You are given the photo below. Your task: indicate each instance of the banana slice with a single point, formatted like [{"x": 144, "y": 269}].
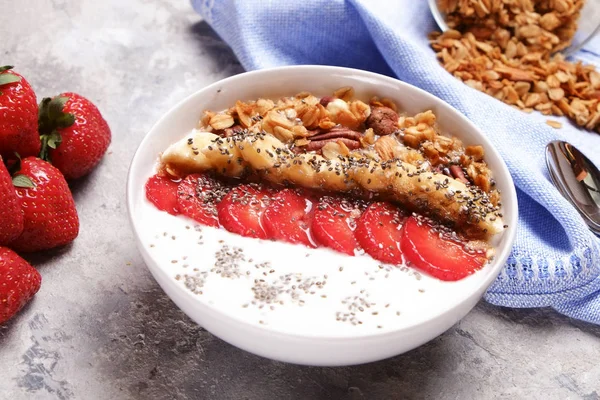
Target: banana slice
[{"x": 203, "y": 151}]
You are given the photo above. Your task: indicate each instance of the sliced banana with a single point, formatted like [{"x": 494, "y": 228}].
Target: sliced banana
[{"x": 203, "y": 151}]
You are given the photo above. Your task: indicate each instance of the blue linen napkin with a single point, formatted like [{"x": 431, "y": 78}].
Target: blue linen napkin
[{"x": 556, "y": 260}]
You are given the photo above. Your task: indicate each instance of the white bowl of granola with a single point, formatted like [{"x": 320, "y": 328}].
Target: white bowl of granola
[{"x": 321, "y": 226}]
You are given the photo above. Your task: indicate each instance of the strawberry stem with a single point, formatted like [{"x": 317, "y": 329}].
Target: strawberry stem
[
  {"x": 19, "y": 180},
  {"x": 5, "y": 79},
  {"x": 51, "y": 118}
]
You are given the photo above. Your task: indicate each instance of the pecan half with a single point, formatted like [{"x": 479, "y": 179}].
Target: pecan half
[
  {"x": 338, "y": 132},
  {"x": 318, "y": 144}
]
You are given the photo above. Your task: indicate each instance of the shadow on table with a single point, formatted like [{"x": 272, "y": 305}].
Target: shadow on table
[
  {"x": 215, "y": 48},
  {"x": 543, "y": 319}
]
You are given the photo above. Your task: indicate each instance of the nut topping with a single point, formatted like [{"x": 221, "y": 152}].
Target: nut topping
[
  {"x": 338, "y": 133},
  {"x": 383, "y": 120},
  {"x": 318, "y": 144}
]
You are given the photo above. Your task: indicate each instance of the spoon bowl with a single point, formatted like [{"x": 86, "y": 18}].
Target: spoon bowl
[{"x": 577, "y": 179}]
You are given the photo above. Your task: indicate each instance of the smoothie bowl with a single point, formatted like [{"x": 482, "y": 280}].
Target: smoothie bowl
[{"x": 321, "y": 215}]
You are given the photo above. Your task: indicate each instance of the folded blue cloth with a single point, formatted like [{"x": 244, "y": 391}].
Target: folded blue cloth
[{"x": 556, "y": 260}]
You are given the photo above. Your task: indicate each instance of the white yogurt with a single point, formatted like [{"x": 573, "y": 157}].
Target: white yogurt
[{"x": 382, "y": 297}]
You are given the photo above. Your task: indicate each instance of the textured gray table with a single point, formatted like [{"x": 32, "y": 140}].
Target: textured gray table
[{"x": 101, "y": 328}]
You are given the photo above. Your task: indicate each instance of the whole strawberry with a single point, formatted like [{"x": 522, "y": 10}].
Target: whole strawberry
[
  {"x": 74, "y": 135},
  {"x": 19, "y": 281},
  {"x": 11, "y": 216},
  {"x": 50, "y": 217},
  {"x": 18, "y": 116}
]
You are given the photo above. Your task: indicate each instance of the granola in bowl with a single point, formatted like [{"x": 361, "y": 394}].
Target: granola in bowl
[{"x": 336, "y": 171}]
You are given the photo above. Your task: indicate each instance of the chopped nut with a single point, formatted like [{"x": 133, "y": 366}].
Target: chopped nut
[
  {"x": 368, "y": 138},
  {"x": 346, "y": 93},
  {"x": 476, "y": 152},
  {"x": 383, "y": 121},
  {"x": 301, "y": 142},
  {"x": 386, "y": 147},
  {"x": 339, "y": 112},
  {"x": 221, "y": 121}
]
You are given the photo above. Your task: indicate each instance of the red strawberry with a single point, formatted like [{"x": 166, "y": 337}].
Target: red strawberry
[
  {"x": 18, "y": 116},
  {"x": 74, "y": 134},
  {"x": 50, "y": 217},
  {"x": 241, "y": 210},
  {"x": 289, "y": 217},
  {"x": 198, "y": 196},
  {"x": 162, "y": 192},
  {"x": 441, "y": 257},
  {"x": 11, "y": 216},
  {"x": 19, "y": 281},
  {"x": 378, "y": 232},
  {"x": 334, "y": 223}
]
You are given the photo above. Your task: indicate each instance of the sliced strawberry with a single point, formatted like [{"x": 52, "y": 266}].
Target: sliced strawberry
[
  {"x": 289, "y": 216},
  {"x": 162, "y": 192},
  {"x": 198, "y": 196},
  {"x": 379, "y": 230},
  {"x": 241, "y": 210},
  {"x": 334, "y": 223},
  {"x": 436, "y": 254}
]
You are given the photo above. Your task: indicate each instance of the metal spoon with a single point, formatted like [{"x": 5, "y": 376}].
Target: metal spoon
[
  {"x": 588, "y": 24},
  {"x": 577, "y": 179}
]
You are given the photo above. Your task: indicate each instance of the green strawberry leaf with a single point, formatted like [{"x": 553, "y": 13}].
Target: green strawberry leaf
[
  {"x": 55, "y": 107},
  {"x": 43, "y": 119},
  {"x": 51, "y": 115},
  {"x": 54, "y": 139},
  {"x": 65, "y": 120},
  {"x": 5, "y": 79},
  {"x": 6, "y": 68},
  {"x": 22, "y": 181},
  {"x": 52, "y": 118},
  {"x": 44, "y": 148}
]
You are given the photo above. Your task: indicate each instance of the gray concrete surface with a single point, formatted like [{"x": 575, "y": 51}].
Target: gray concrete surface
[{"x": 101, "y": 328}]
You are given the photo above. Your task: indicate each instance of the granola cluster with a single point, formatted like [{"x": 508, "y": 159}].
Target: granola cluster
[
  {"x": 507, "y": 49},
  {"x": 341, "y": 125}
]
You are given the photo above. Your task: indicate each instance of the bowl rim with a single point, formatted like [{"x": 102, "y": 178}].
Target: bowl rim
[{"x": 509, "y": 197}]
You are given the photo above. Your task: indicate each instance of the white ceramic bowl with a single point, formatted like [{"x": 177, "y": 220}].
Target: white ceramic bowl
[{"x": 409, "y": 311}]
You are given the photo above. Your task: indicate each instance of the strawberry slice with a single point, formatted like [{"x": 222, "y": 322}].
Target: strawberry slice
[
  {"x": 379, "y": 230},
  {"x": 162, "y": 192},
  {"x": 198, "y": 196},
  {"x": 289, "y": 216},
  {"x": 441, "y": 257},
  {"x": 334, "y": 223},
  {"x": 241, "y": 210}
]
